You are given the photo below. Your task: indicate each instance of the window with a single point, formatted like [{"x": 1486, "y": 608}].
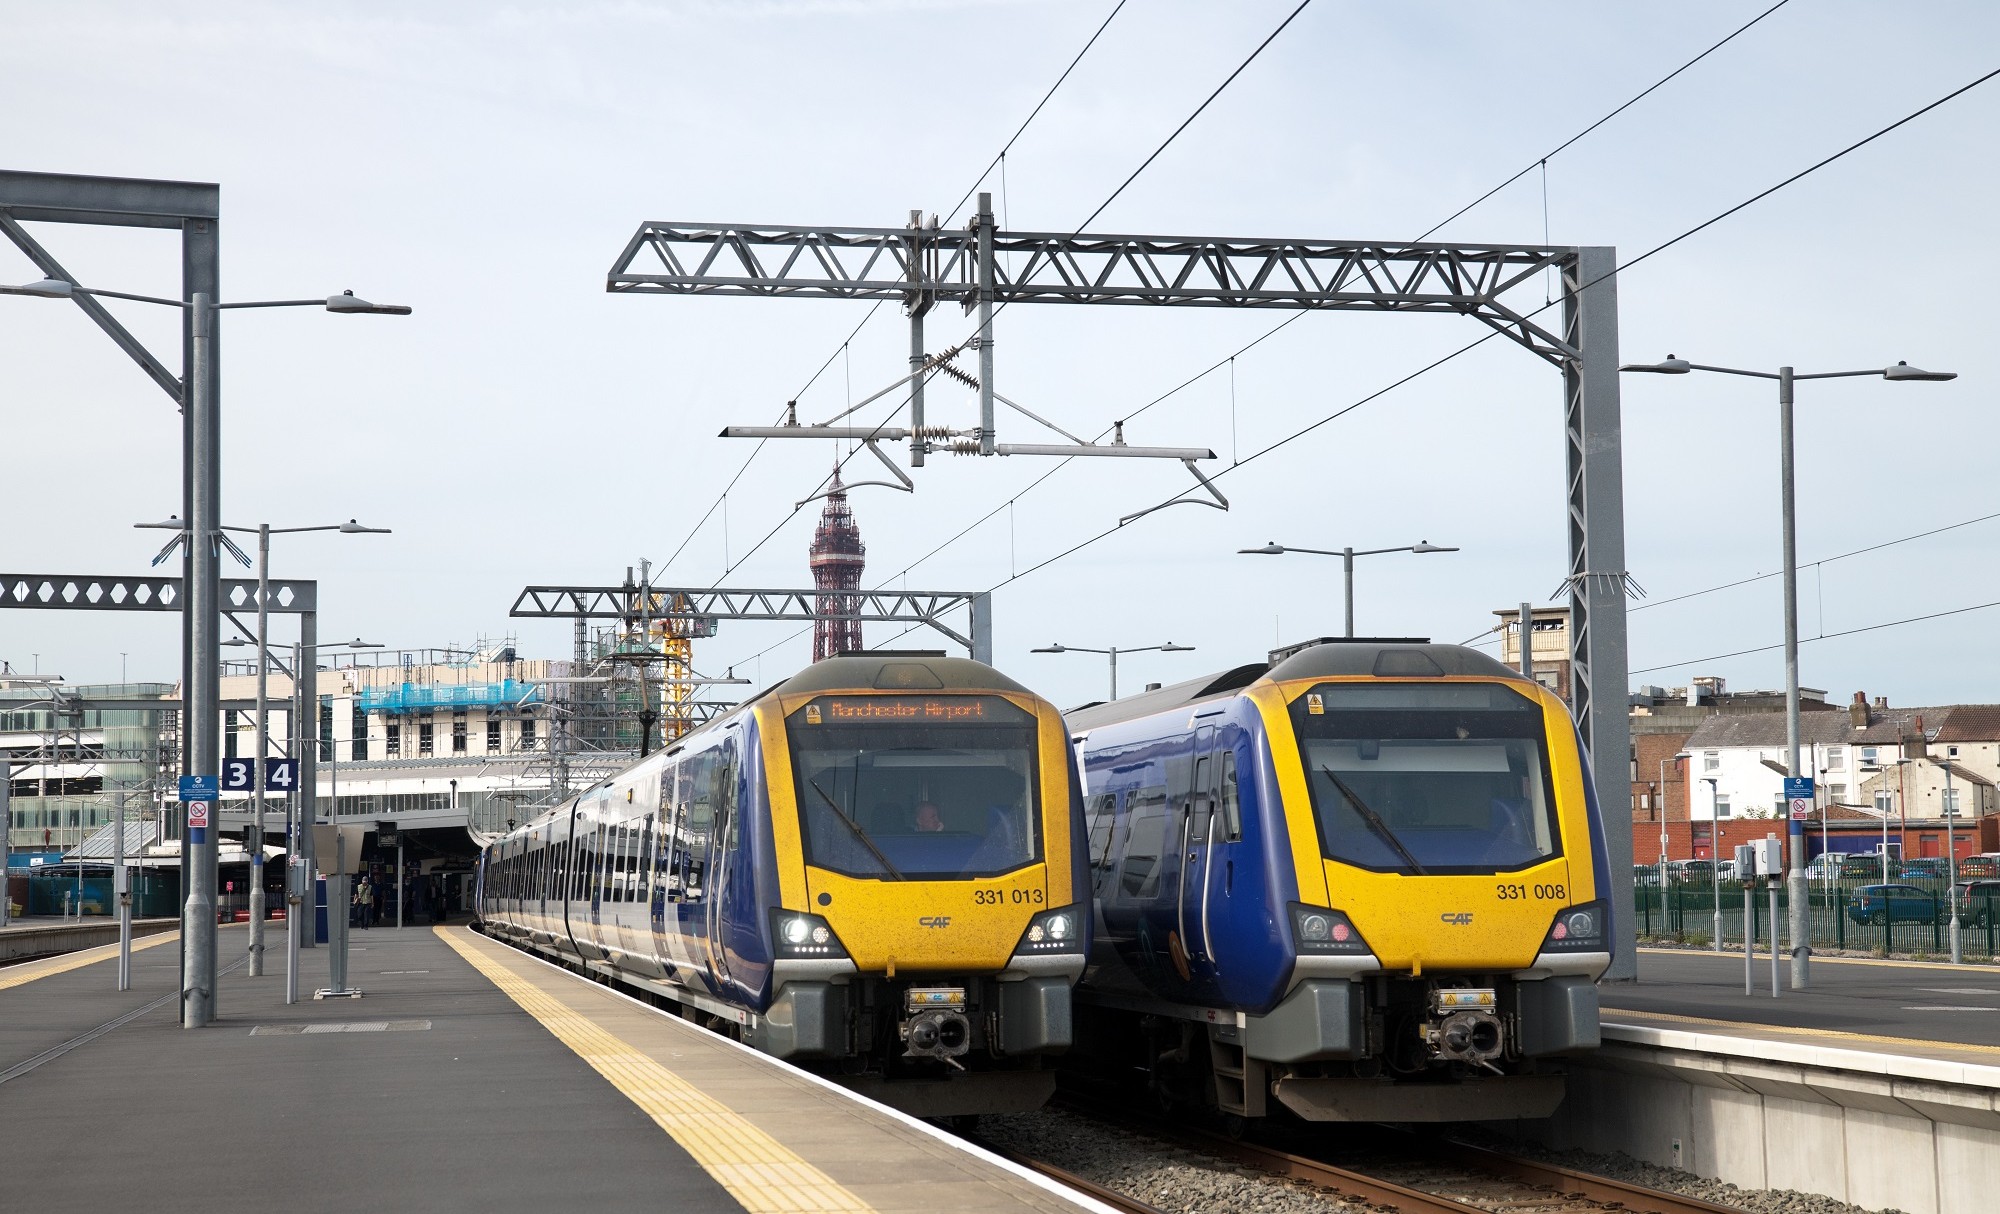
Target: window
[
  {"x": 1836, "y": 791},
  {"x": 1836, "y": 758},
  {"x": 1722, "y": 805},
  {"x": 326, "y": 729},
  {"x": 528, "y": 733},
  {"x": 1100, "y": 814},
  {"x": 357, "y": 729},
  {"x": 493, "y": 735},
  {"x": 458, "y": 733},
  {"x": 1868, "y": 754},
  {"x": 1426, "y": 777},
  {"x": 392, "y": 742},
  {"x": 1232, "y": 811},
  {"x": 1884, "y": 803},
  {"x": 1951, "y": 752},
  {"x": 1951, "y": 801},
  {"x": 426, "y": 738},
  {"x": 1145, "y": 841},
  {"x": 229, "y": 733},
  {"x": 1711, "y": 760}
]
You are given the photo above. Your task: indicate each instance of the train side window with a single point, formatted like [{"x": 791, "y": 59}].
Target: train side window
[
  {"x": 1145, "y": 839},
  {"x": 1100, "y": 814},
  {"x": 698, "y": 814},
  {"x": 1232, "y": 809},
  {"x": 1201, "y": 800}
]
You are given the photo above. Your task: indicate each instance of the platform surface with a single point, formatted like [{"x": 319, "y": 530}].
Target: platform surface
[
  {"x": 1919, "y": 1009},
  {"x": 469, "y": 1076}
]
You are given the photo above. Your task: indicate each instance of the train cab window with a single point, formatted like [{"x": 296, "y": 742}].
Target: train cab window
[
  {"x": 1232, "y": 809},
  {"x": 1428, "y": 777},
  {"x": 1145, "y": 842},
  {"x": 917, "y": 787}
]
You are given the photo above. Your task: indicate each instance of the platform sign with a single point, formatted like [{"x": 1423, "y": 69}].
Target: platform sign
[
  {"x": 1799, "y": 795},
  {"x": 281, "y": 775},
  {"x": 237, "y": 775}
]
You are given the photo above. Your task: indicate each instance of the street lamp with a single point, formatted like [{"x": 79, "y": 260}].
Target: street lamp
[
  {"x": 1951, "y": 857},
  {"x": 201, "y": 608},
  {"x": 1114, "y": 651},
  {"x": 264, "y": 532},
  {"x": 1714, "y": 856},
  {"x": 1346, "y": 556},
  {"x": 1662, "y": 798},
  {"x": 1877, "y": 769},
  {"x": 1801, "y": 922}
]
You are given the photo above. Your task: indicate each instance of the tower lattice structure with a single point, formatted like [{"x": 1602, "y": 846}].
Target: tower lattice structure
[{"x": 837, "y": 559}]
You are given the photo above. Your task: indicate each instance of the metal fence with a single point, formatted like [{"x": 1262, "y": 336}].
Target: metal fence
[{"x": 1692, "y": 913}]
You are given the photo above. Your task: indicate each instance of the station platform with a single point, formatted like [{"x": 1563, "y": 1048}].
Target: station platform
[
  {"x": 1913, "y": 1008},
  {"x": 468, "y": 1076}
]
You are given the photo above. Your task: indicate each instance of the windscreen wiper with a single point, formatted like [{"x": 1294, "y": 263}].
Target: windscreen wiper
[
  {"x": 1374, "y": 821},
  {"x": 856, "y": 830}
]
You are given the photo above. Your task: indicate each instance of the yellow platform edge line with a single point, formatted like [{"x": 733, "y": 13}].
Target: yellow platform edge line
[
  {"x": 1828, "y": 1034},
  {"x": 727, "y": 1145},
  {"x": 29, "y": 971}
]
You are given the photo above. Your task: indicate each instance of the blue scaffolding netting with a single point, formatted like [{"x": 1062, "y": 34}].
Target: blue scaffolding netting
[{"x": 427, "y": 697}]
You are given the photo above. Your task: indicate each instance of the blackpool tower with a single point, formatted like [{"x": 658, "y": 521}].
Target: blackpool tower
[{"x": 837, "y": 558}]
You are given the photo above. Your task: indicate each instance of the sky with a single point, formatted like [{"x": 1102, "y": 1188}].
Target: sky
[{"x": 486, "y": 163}]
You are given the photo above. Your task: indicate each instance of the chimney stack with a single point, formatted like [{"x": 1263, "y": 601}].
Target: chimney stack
[{"x": 1857, "y": 712}]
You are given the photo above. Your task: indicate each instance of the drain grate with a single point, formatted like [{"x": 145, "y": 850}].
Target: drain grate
[{"x": 349, "y": 1026}]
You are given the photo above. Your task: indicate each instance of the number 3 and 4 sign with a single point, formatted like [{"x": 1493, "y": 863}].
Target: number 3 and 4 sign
[{"x": 280, "y": 775}]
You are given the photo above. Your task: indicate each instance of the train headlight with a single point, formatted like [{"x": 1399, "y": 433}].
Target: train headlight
[
  {"x": 796, "y": 934},
  {"x": 1054, "y": 931},
  {"x": 1578, "y": 929},
  {"x": 1324, "y": 931}
]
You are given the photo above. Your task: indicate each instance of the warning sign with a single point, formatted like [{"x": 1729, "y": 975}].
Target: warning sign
[
  {"x": 1802, "y": 807},
  {"x": 198, "y": 813}
]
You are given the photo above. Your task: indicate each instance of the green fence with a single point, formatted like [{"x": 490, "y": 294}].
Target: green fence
[{"x": 1692, "y": 913}]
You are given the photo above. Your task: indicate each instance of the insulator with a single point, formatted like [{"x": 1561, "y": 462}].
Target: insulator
[
  {"x": 964, "y": 446},
  {"x": 936, "y": 432},
  {"x": 970, "y": 381}
]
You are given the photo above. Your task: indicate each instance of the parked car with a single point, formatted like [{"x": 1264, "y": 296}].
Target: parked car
[
  {"x": 1902, "y": 903},
  {"x": 1979, "y": 866},
  {"x": 1978, "y": 902},
  {"x": 1924, "y": 866},
  {"x": 1645, "y": 874},
  {"x": 1825, "y": 866},
  {"x": 1689, "y": 872},
  {"x": 1867, "y": 864}
]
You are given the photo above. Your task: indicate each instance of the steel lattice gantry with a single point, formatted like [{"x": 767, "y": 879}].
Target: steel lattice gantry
[
  {"x": 983, "y": 266},
  {"x": 926, "y": 607}
]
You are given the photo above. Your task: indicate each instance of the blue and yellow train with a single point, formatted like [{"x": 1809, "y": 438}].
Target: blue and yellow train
[
  {"x": 876, "y": 865},
  {"x": 1366, "y": 880}
]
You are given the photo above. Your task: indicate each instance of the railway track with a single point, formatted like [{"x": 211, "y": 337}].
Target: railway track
[{"x": 1400, "y": 1172}]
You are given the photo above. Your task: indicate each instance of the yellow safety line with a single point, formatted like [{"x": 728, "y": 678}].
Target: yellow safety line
[
  {"x": 1835, "y": 1034},
  {"x": 1821, "y": 959},
  {"x": 761, "y": 1173},
  {"x": 26, "y": 972}
]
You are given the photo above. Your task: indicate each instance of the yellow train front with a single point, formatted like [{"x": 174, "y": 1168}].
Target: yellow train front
[
  {"x": 1366, "y": 880},
  {"x": 875, "y": 866}
]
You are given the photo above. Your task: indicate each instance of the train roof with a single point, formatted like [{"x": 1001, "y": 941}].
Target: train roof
[
  {"x": 1325, "y": 657},
  {"x": 923, "y": 671}
]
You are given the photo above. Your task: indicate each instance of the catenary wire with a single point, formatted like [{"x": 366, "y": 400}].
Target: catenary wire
[
  {"x": 1472, "y": 345},
  {"x": 870, "y": 315},
  {"x": 1274, "y": 330},
  {"x": 1828, "y": 636}
]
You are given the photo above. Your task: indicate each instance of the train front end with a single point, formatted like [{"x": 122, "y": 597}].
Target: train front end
[
  {"x": 1451, "y": 918},
  {"x": 931, "y": 915}
]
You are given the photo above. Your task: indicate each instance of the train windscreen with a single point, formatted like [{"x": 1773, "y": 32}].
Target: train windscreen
[
  {"x": 1428, "y": 777},
  {"x": 902, "y": 787}
]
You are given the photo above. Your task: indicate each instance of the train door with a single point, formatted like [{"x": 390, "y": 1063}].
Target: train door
[
  {"x": 1196, "y": 827},
  {"x": 722, "y": 850},
  {"x": 692, "y": 827}
]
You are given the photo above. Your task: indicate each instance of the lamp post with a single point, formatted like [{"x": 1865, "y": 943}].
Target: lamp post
[
  {"x": 1786, "y": 377},
  {"x": 1346, "y": 556},
  {"x": 1676, "y": 761},
  {"x": 202, "y": 608},
  {"x": 1951, "y": 857},
  {"x": 264, "y": 532},
  {"x": 1877, "y": 769},
  {"x": 1114, "y": 651},
  {"x": 1714, "y": 855}
]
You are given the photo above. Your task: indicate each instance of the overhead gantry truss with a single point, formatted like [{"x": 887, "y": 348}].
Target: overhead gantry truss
[
  {"x": 680, "y": 603},
  {"x": 1095, "y": 268}
]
